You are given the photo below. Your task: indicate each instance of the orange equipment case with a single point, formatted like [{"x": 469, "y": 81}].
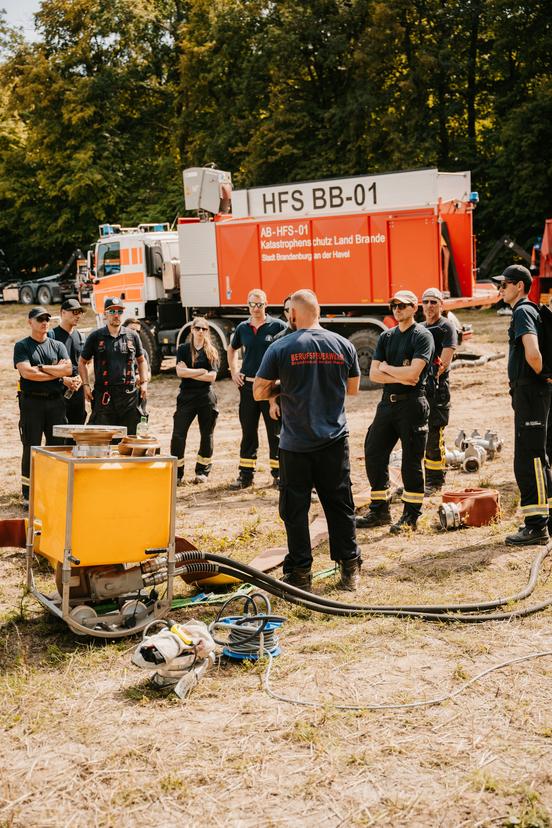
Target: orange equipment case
[{"x": 357, "y": 259}]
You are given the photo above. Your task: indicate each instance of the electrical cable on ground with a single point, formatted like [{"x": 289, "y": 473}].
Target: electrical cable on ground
[
  {"x": 250, "y": 636},
  {"x": 405, "y": 706}
]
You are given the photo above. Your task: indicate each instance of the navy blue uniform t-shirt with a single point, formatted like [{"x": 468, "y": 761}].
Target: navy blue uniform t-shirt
[
  {"x": 73, "y": 342},
  {"x": 399, "y": 348},
  {"x": 49, "y": 352},
  {"x": 115, "y": 350},
  {"x": 190, "y": 387},
  {"x": 255, "y": 343},
  {"x": 444, "y": 335},
  {"x": 313, "y": 366},
  {"x": 525, "y": 320}
]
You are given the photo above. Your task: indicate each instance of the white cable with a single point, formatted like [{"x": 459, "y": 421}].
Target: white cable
[{"x": 429, "y": 702}]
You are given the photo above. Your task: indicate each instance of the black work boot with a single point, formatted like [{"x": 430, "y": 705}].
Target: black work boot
[
  {"x": 406, "y": 521},
  {"x": 300, "y": 577},
  {"x": 350, "y": 574},
  {"x": 529, "y": 536},
  {"x": 374, "y": 517},
  {"x": 241, "y": 483}
]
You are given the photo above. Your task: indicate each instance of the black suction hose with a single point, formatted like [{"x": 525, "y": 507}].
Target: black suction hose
[
  {"x": 463, "y": 613},
  {"x": 432, "y": 609}
]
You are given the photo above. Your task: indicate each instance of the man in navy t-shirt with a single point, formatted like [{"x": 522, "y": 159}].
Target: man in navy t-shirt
[
  {"x": 401, "y": 364},
  {"x": 254, "y": 335},
  {"x": 42, "y": 363},
  {"x": 445, "y": 338},
  {"x": 312, "y": 370},
  {"x": 531, "y": 404}
]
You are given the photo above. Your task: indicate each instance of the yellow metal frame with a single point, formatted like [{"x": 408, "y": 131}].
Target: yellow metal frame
[{"x": 69, "y": 496}]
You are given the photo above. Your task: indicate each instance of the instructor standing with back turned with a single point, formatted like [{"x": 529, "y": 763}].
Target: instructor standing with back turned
[{"x": 312, "y": 370}]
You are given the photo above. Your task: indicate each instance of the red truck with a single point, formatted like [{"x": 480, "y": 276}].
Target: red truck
[{"x": 354, "y": 241}]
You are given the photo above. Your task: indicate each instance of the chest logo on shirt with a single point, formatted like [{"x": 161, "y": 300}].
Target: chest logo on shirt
[
  {"x": 406, "y": 362},
  {"x": 268, "y": 338}
]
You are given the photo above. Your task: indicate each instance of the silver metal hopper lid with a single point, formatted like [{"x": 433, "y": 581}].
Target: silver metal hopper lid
[{"x": 89, "y": 435}]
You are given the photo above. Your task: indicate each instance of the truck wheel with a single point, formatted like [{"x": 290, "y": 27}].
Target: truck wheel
[
  {"x": 26, "y": 295},
  {"x": 44, "y": 296},
  {"x": 365, "y": 344},
  {"x": 151, "y": 347}
]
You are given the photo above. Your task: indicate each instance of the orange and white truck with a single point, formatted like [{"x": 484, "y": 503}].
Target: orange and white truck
[{"x": 354, "y": 241}]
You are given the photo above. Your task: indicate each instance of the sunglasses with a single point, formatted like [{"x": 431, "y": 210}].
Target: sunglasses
[
  {"x": 77, "y": 312},
  {"x": 503, "y": 284},
  {"x": 400, "y": 305},
  {"x": 256, "y": 304},
  {"x": 115, "y": 312},
  {"x": 199, "y": 328},
  {"x": 430, "y": 301}
]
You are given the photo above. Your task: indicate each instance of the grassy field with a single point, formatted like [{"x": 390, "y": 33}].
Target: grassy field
[{"x": 88, "y": 743}]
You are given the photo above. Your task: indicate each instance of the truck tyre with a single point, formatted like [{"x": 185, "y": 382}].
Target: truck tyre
[
  {"x": 26, "y": 295},
  {"x": 151, "y": 346},
  {"x": 44, "y": 295},
  {"x": 365, "y": 341}
]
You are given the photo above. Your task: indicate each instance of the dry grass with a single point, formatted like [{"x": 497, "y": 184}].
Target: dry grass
[{"x": 87, "y": 743}]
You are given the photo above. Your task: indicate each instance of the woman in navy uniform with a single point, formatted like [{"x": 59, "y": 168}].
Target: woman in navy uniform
[{"x": 196, "y": 364}]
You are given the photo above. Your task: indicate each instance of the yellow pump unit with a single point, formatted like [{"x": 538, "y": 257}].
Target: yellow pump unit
[{"x": 105, "y": 520}]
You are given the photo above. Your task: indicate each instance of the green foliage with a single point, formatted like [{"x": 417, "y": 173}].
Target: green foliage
[{"x": 100, "y": 115}]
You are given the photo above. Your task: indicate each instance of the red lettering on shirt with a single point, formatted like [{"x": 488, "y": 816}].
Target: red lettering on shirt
[{"x": 316, "y": 358}]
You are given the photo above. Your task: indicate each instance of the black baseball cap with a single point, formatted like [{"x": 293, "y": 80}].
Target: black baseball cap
[
  {"x": 515, "y": 273},
  {"x": 113, "y": 302},
  {"x": 72, "y": 304},
  {"x": 36, "y": 313}
]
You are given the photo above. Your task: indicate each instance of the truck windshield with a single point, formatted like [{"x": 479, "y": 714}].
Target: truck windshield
[{"x": 109, "y": 259}]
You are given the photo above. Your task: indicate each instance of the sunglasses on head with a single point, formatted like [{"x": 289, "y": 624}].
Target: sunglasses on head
[
  {"x": 256, "y": 304},
  {"x": 199, "y": 328},
  {"x": 430, "y": 301},
  {"x": 399, "y": 305}
]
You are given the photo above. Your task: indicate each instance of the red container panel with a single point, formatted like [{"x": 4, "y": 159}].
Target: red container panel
[
  {"x": 238, "y": 262},
  {"x": 414, "y": 254},
  {"x": 348, "y": 260},
  {"x": 341, "y": 250},
  {"x": 285, "y": 252},
  {"x": 460, "y": 230}
]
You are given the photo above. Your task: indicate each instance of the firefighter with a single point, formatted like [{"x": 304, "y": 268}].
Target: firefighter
[
  {"x": 401, "y": 363},
  {"x": 315, "y": 370},
  {"x": 197, "y": 364},
  {"x": 531, "y": 403},
  {"x": 42, "y": 363},
  {"x": 135, "y": 325},
  {"x": 67, "y": 333},
  {"x": 445, "y": 338},
  {"x": 118, "y": 355},
  {"x": 288, "y": 329},
  {"x": 254, "y": 335}
]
